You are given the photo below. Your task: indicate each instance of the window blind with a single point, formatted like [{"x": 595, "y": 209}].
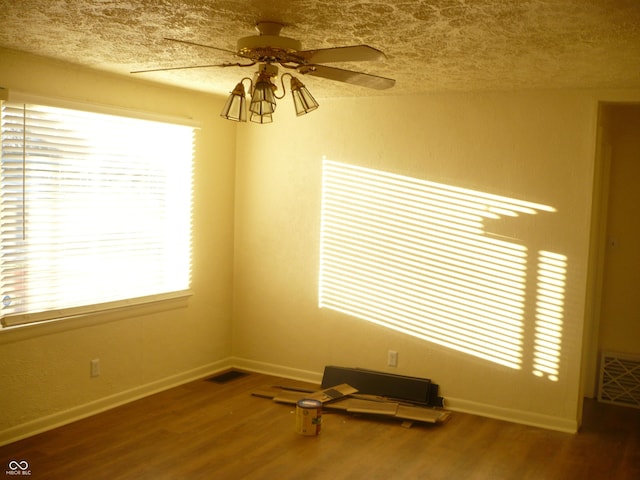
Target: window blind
[{"x": 95, "y": 211}]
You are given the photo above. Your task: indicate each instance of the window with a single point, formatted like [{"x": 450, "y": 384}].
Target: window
[{"x": 95, "y": 211}]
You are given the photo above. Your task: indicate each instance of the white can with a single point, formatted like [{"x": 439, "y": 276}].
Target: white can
[{"x": 308, "y": 417}]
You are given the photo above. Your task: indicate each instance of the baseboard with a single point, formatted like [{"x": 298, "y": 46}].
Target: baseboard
[
  {"x": 79, "y": 412},
  {"x": 510, "y": 415}
]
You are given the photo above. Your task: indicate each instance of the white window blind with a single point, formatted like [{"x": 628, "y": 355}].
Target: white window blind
[{"x": 95, "y": 211}]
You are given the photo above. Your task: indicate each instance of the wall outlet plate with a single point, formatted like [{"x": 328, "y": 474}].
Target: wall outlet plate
[
  {"x": 95, "y": 367},
  {"x": 392, "y": 358}
]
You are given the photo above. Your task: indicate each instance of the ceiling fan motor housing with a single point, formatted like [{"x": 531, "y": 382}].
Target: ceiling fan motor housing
[{"x": 269, "y": 46}]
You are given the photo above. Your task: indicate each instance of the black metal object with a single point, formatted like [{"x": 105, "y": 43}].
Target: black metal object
[{"x": 399, "y": 387}]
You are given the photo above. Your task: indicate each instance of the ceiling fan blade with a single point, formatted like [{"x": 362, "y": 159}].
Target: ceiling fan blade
[
  {"x": 195, "y": 66},
  {"x": 348, "y": 76},
  {"x": 354, "y": 53},
  {"x": 200, "y": 45}
]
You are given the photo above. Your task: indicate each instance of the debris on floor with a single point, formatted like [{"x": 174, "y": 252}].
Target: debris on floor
[{"x": 345, "y": 398}]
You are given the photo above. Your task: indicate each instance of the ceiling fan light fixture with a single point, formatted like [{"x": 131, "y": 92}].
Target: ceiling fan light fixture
[
  {"x": 235, "y": 107},
  {"x": 303, "y": 101},
  {"x": 263, "y": 99},
  {"x": 264, "y": 118}
]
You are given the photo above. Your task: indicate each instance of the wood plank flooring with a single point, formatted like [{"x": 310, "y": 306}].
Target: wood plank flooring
[{"x": 205, "y": 430}]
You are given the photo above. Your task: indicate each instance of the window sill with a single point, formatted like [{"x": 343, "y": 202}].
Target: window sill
[{"x": 26, "y": 331}]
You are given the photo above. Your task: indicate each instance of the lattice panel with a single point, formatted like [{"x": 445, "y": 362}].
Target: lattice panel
[{"x": 620, "y": 379}]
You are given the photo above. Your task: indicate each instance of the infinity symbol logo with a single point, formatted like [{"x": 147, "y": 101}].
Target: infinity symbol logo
[{"x": 23, "y": 465}]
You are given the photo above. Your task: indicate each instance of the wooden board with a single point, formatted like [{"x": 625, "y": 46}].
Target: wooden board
[
  {"x": 421, "y": 414},
  {"x": 286, "y": 395},
  {"x": 355, "y": 405}
]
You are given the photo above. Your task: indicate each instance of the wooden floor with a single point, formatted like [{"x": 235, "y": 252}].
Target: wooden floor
[{"x": 205, "y": 430}]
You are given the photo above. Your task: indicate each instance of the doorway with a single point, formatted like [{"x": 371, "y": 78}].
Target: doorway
[{"x": 613, "y": 313}]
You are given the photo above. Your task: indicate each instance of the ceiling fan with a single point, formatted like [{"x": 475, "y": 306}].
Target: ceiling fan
[
  {"x": 271, "y": 48},
  {"x": 268, "y": 50}
]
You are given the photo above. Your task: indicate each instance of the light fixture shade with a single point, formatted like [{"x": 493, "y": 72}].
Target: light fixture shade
[
  {"x": 264, "y": 118},
  {"x": 236, "y": 106},
  {"x": 263, "y": 99},
  {"x": 302, "y": 99}
]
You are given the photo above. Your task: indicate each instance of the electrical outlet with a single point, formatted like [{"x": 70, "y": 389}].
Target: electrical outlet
[
  {"x": 392, "y": 358},
  {"x": 95, "y": 367}
]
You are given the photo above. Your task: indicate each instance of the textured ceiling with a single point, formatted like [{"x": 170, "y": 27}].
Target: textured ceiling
[{"x": 431, "y": 45}]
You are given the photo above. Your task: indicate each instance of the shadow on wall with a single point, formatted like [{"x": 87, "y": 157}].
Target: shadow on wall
[{"x": 415, "y": 256}]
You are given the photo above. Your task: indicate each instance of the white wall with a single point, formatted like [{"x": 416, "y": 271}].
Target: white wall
[
  {"x": 533, "y": 146},
  {"x": 44, "y": 369}
]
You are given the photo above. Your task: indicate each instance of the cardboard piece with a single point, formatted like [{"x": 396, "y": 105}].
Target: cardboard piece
[
  {"x": 288, "y": 395},
  {"x": 332, "y": 393}
]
